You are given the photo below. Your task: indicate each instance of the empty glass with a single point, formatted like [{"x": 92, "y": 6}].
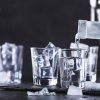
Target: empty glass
[{"x": 44, "y": 65}]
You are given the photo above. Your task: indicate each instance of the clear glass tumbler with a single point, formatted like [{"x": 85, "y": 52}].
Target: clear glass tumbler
[
  {"x": 11, "y": 60},
  {"x": 44, "y": 65},
  {"x": 73, "y": 64}
]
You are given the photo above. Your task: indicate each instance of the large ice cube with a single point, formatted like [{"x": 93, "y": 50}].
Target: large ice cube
[
  {"x": 73, "y": 90},
  {"x": 50, "y": 50},
  {"x": 83, "y": 49},
  {"x": 88, "y": 29}
]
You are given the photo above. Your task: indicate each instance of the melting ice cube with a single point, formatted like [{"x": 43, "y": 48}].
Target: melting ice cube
[
  {"x": 44, "y": 91},
  {"x": 73, "y": 90}
]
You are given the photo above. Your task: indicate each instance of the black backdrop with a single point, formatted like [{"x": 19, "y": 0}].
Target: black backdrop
[{"x": 36, "y": 22}]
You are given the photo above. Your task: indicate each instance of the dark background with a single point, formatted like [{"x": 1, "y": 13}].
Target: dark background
[{"x": 36, "y": 22}]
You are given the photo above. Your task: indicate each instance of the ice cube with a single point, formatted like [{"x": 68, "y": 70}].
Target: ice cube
[
  {"x": 46, "y": 72},
  {"x": 50, "y": 45},
  {"x": 50, "y": 51},
  {"x": 92, "y": 86},
  {"x": 32, "y": 93},
  {"x": 46, "y": 61},
  {"x": 6, "y": 55},
  {"x": 9, "y": 55},
  {"x": 81, "y": 45},
  {"x": 4, "y": 78},
  {"x": 11, "y": 60},
  {"x": 1, "y": 66},
  {"x": 44, "y": 91},
  {"x": 40, "y": 61},
  {"x": 73, "y": 90}
]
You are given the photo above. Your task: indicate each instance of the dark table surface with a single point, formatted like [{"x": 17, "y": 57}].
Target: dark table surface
[
  {"x": 31, "y": 87},
  {"x": 22, "y": 95},
  {"x": 19, "y": 92}
]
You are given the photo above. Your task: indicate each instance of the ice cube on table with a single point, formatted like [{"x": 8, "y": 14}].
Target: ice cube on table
[
  {"x": 73, "y": 90},
  {"x": 44, "y": 91}
]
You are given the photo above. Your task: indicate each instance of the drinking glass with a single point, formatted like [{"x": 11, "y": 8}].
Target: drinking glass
[
  {"x": 44, "y": 65},
  {"x": 73, "y": 64},
  {"x": 11, "y": 60}
]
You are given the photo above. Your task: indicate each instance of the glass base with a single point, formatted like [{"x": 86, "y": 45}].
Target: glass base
[{"x": 45, "y": 81}]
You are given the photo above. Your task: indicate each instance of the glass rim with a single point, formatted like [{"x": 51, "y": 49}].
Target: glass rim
[
  {"x": 60, "y": 48},
  {"x": 71, "y": 57},
  {"x": 43, "y": 47},
  {"x": 73, "y": 49},
  {"x": 37, "y": 48}
]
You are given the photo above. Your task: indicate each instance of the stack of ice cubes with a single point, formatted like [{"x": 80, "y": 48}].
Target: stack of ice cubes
[{"x": 10, "y": 63}]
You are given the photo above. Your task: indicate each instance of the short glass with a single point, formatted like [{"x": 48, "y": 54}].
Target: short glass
[
  {"x": 73, "y": 64},
  {"x": 11, "y": 60},
  {"x": 44, "y": 65}
]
